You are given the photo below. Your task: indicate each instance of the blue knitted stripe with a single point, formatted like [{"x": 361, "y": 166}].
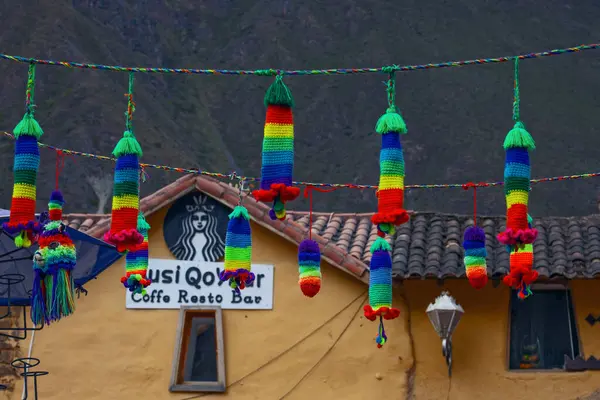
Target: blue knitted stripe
[
  {"x": 238, "y": 227},
  {"x": 238, "y": 240},
  {"x": 126, "y": 175},
  {"x": 277, "y": 170},
  {"x": 267, "y": 181},
  {"x": 517, "y": 155},
  {"x": 517, "y": 170},
  {"x": 309, "y": 257},
  {"x": 391, "y": 155},
  {"x": 128, "y": 161},
  {"x": 380, "y": 277},
  {"x": 26, "y": 144},
  {"x": 476, "y": 252},
  {"x": 390, "y": 140},
  {"x": 380, "y": 260},
  {"x": 309, "y": 263},
  {"x": 277, "y": 157},
  {"x": 26, "y": 162},
  {"x": 473, "y": 244}
]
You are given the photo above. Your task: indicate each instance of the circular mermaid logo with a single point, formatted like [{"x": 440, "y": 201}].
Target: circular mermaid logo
[{"x": 195, "y": 228}]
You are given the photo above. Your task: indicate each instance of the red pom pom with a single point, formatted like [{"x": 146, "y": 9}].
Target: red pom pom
[
  {"x": 266, "y": 196},
  {"x": 520, "y": 275},
  {"x": 395, "y": 217},
  {"x": 125, "y": 240},
  {"x": 369, "y": 313},
  {"x": 477, "y": 280},
  {"x": 310, "y": 287},
  {"x": 385, "y": 312},
  {"x": 391, "y": 313}
]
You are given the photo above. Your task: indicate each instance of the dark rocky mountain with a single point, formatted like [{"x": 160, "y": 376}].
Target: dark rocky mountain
[{"x": 457, "y": 117}]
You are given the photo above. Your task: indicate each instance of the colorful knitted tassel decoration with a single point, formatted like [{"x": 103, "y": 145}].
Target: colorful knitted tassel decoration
[
  {"x": 517, "y": 174},
  {"x": 277, "y": 151},
  {"x": 123, "y": 232},
  {"x": 309, "y": 261},
  {"x": 522, "y": 274},
  {"x": 136, "y": 262},
  {"x": 22, "y": 222},
  {"x": 519, "y": 235},
  {"x": 390, "y": 194},
  {"x": 475, "y": 256},
  {"x": 53, "y": 290},
  {"x": 380, "y": 288},
  {"x": 238, "y": 250}
]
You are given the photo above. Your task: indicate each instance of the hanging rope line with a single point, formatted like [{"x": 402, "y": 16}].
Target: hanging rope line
[
  {"x": 301, "y": 183},
  {"x": 275, "y": 72}
]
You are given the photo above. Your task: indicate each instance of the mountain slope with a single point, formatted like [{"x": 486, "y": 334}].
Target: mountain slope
[{"x": 457, "y": 117}]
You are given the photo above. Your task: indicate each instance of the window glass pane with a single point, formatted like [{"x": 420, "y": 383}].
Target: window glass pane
[
  {"x": 542, "y": 330},
  {"x": 201, "y": 360}
]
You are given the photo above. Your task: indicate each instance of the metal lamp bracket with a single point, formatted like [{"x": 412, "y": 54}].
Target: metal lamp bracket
[{"x": 447, "y": 353}]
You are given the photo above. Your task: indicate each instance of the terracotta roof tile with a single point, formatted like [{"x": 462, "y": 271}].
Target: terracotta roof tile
[
  {"x": 291, "y": 229},
  {"x": 428, "y": 246}
]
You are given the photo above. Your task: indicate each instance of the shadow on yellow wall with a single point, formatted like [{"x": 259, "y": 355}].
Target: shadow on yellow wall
[{"x": 320, "y": 348}]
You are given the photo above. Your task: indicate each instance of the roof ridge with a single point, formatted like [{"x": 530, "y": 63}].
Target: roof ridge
[{"x": 229, "y": 195}]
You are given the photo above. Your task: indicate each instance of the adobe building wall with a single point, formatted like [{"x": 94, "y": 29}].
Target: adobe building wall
[
  {"x": 306, "y": 348},
  {"x": 480, "y": 345},
  {"x": 310, "y": 348}
]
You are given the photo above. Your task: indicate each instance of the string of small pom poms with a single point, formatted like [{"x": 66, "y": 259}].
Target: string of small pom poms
[
  {"x": 275, "y": 72},
  {"x": 229, "y": 176}
]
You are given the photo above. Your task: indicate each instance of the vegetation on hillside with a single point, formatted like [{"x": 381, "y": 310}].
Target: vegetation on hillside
[{"x": 457, "y": 117}]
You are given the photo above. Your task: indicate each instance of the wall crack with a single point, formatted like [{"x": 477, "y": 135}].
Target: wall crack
[{"x": 411, "y": 372}]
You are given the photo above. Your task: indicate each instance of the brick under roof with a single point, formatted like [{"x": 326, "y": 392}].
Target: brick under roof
[{"x": 428, "y": 246}]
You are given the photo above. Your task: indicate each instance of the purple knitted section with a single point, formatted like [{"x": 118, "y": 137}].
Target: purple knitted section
[
  {"x": 57, "y": 196},
  {"x": 475, "y": 233},
  {"x": 308, "y": 246}
]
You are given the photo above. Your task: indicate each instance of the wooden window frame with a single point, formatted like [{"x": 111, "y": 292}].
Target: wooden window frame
[
  {"x": 187, "y": 314},
  {"x": 542, "y": 286}
]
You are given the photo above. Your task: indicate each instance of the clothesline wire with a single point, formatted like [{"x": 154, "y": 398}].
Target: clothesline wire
[
  {"x": 274, "y": 72},
  {"x": 301, "y": 183}
]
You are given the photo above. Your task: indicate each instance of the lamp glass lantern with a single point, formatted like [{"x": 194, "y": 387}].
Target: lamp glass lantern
[{"x": 445, "y": 315}]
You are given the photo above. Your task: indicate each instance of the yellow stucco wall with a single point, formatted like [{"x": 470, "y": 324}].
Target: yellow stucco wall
[
  {"x": 480, "y": 347},
  {"x": 107, "y": 352}
]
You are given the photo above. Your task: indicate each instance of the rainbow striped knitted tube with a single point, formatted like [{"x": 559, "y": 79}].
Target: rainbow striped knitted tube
[
  {"x": 238, "y": 250},
  {"x": 390, "y": 193},
  {"x": 136, "y": 262},
  {"x": 22, "y": 222},
  {"x": 53, "y": 293},
  {"x": 123, "y": 232},
  {"x": 475, "y": 256},
  {"x": 517, "y": 175},
  {"x": 278, "y": 151},
  {"x": 309, "y": 261},
  {"x": 380, "y": 288},
  {"x": 522, "y": 274}
]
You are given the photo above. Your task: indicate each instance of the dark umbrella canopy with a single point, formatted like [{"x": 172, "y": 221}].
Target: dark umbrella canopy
[{"x": 93, "y": 257}]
